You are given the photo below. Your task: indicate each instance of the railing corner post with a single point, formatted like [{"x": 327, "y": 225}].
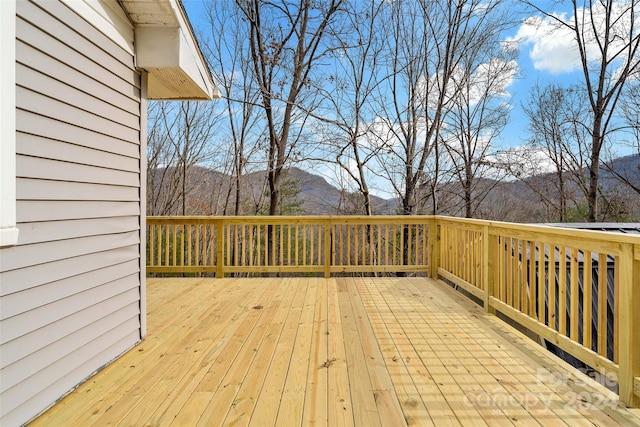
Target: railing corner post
[
  {"x": 629, "y": 319},
  {"x": 488, "y": 266},
  {"x": 327, "y": 249},
  {"x": 434, "y": 247},
  {"x": 219, "y": 249}
]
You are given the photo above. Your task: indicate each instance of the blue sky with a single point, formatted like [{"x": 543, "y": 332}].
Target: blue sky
[{"x": 546, "y": 56}]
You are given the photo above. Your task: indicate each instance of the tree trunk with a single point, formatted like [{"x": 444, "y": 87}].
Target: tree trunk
[
  {"x": 274, "y": 191},
  {"x": 184, "y": 187},
  {"x": 563, "y": 197},
  {"x": 407, "y": 209},
  {"x": 468, "y": 210},
  {"x": 594, "y": 171}
]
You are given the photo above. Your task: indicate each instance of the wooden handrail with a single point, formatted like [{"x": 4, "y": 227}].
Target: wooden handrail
[
  {"x": 311, "y": 244},
  {"x": 579, "y": 290}
]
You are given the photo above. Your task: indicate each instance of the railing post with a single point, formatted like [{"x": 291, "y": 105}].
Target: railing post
[
  {"x": 629, "y": 321},
  {"x": 219, "y": 248},
  {"x": 327, "y": 249},
  {"x": 434, "y": 247},
  {"x": 488, "y": 265}
]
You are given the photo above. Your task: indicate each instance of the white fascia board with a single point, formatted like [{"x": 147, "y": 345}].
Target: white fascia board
[
  {"x": 191, "y": 55},
  {"x": 167, "y": 51},
  {"x": 8, "y": 230},
  {"x": 193, "y": 64}
]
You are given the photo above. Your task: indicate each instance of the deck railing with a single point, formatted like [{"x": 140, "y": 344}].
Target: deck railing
[
  {"x": 579, "y": 290},
  {"x": 262, "y": 244}
]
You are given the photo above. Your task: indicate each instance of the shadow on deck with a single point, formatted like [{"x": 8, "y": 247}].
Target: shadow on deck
[{"x": 339, "y": 351}]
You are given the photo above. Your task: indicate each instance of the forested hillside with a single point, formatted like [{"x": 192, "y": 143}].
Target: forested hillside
[{"x": 533, "y": 199}]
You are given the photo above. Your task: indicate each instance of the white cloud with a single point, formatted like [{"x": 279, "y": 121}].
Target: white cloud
[
  {"x": 553, "y": 47},
  {"x": 524, "y": 161},
  {"x": 492, "y": 79},
  {"x": 339, "y": 178}
]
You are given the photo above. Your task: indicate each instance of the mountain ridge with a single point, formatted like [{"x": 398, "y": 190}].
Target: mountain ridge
[{"x": 307, "y": 193}]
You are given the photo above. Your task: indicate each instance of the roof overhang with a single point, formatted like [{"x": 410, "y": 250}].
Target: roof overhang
[{"x": 167, "y": 49}]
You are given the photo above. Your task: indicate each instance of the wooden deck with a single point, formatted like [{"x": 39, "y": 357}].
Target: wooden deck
[{"x": 331, "y": 352}]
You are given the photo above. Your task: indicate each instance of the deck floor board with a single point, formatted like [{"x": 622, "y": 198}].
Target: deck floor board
[{"x": 331, "y": 352}]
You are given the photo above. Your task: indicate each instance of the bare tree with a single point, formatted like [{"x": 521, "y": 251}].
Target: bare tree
[
  {"x": 631, "y": 112},
  {"x": 557, "y": 131},
  {"x": 607, "y": 37},
  {"x": 407, "y": 127},
  {"x": 478, "y": 114},
  {"x": 227, "y": 51},
  {"x": 286, "y": 39},
  {"x": 347, "y": 92},
  {"x": 180, "y": 137},
  {"x": 427, "y": 43},
  {"x": 162, "y": 193}
]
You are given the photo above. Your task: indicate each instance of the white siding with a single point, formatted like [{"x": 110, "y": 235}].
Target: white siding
[
  {"x": 70, "y": 290},
  {"x": 8, "y": 230}
]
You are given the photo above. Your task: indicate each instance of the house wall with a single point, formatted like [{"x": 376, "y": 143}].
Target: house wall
[{"x": 70, "y": 290}]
